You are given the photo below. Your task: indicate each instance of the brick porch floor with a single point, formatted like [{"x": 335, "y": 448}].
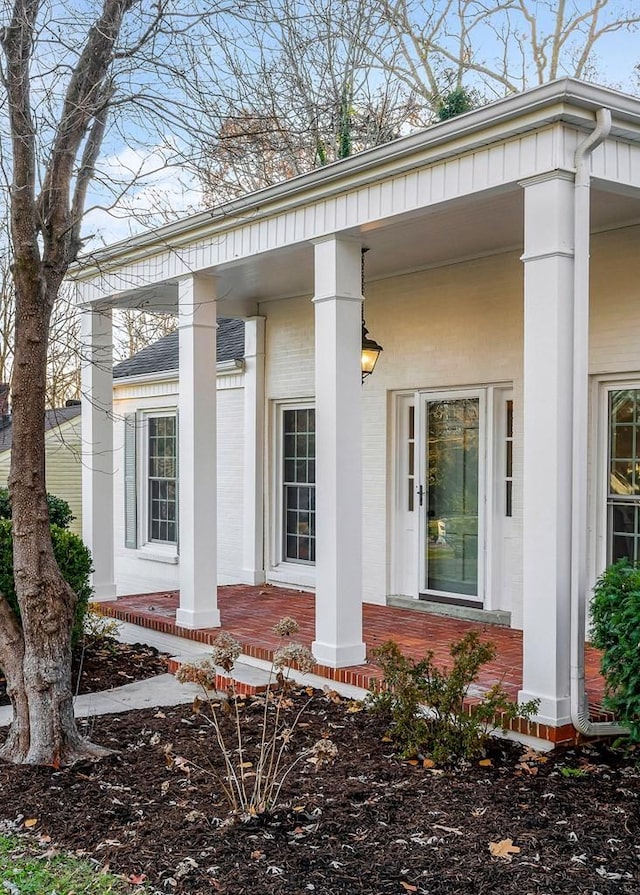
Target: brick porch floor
[{"x": 249, "y": 613}]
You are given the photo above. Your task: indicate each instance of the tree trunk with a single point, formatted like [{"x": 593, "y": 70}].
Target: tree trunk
[{"x": 39, "y": 680}]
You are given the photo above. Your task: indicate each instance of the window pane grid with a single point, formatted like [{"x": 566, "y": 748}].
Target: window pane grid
[
  {"x": 508, "y": 479},
  {"x": 163, "y": 504},
  {"x": 624, "y": 475},
  {"x": 299, "y": 486}
]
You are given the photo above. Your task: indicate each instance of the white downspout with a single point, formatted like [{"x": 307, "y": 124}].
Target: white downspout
[{"x": 579, "y": 705}]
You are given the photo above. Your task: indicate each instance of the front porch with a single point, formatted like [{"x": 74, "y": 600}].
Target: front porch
[{"x": 249, "y": 614}]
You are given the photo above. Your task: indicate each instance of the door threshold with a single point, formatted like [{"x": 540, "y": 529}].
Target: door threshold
[{"x": 468, "y": 613}]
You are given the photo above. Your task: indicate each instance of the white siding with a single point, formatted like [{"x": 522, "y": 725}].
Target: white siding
[{"x": 63, "y": 467}]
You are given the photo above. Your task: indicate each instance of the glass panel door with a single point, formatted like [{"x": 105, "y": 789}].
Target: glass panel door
[{"x": 452, "y": 441}]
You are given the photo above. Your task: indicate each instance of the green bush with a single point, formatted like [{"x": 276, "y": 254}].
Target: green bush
[
  {"x": 615, "y": 621},
  {"x": 59, "y": 510},
  {"x": 72, "y": 557},
  {"x": 425, "y": 704}
]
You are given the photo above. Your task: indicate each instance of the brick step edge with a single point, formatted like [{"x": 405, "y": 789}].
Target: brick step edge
[{"x": 222, "y": 682}]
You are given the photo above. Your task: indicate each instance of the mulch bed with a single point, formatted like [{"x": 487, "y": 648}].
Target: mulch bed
[
  {"x": 368, "y": 824},
  {"x": 107, "y": 663}
]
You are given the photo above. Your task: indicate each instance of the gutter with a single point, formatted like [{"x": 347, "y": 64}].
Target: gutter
[
  {"x": 223, "y": 368},
  {"x": 580, "y": 428}
]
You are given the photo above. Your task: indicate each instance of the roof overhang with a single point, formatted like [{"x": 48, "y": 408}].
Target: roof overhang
[{"x": 567, "y": 100}]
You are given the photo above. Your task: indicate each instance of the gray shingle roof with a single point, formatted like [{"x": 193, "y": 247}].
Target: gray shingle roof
[
  {"x": 162, "y": 355},
  {"x": 52, "y": 418}
]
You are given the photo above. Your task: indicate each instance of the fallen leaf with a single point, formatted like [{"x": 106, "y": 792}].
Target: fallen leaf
[
  {"x": 503, "y": 849},
  {"x": 408, "y": 887},
  {"x": 136, "y": 879},
  {"x": 485, "y": 763},
  {"x": 428, "y": 763},
  {"x": 256, "y": 855},
  {"x": 246, "y": 764},
  {"x": 31, "y": 822},
  {"x": 354, "y": 707},
  {"x": 449, "y": 830},
  {"x": 531, "y": 755}
]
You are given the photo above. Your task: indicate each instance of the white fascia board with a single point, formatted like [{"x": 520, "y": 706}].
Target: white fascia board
[
  {"x": 567, "y": 99},
  {"x": 223, "y": 368}
]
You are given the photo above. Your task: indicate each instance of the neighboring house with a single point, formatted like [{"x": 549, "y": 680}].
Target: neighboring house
[
  {"x": 63, "y": 451},
  {"x": 145, "y": 414},
  {"x": 490, "y": 464}
]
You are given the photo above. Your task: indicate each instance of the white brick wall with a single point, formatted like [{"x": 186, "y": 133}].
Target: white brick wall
[
  {"x": 453, "y": 326},
  {"x": 460, "y": 325},
  {"x": 136, "y": 575}
]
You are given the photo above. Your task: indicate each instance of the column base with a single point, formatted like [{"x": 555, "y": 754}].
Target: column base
[
  {"x": 189, "y": 618},
  {"x": 253, "y": 576},
  {"x": 553, "y": 712},
  {"x": 103, "y": 593},
  {"x": 334, "y": 656}
]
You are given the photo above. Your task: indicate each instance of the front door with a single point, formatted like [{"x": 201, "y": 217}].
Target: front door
[{"x": 451, "y": 497}]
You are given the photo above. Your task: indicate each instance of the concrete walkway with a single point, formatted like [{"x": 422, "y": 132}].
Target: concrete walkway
[{"x": 164, "y": 689}]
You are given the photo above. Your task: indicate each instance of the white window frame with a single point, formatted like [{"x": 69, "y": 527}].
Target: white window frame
[
  {"x": 160, "y": 551},
  {"x": 283, "y": 571},
  {"x": 598, "y": 484}
]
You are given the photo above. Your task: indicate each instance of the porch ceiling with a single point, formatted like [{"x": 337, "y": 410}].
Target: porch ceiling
[
  {"x": 485, "y": 224},
  {"x": 473, "y": 227}
]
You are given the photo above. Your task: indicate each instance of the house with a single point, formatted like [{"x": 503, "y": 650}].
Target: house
[
  {"x": 489, "y": 465},
  {"x": 63, "y": 451},
  {"x": 145, "y": 410}
]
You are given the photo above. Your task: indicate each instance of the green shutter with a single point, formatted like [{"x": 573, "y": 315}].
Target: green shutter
[{"x": 130, "y": 484}]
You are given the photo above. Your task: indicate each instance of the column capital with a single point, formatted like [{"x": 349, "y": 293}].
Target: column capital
[
  {"x": 549, "y": 176},
  {"x": 338, "y": 270},
  {"x": 197, "y": 302},
  {"x": 549, "y": 214}
]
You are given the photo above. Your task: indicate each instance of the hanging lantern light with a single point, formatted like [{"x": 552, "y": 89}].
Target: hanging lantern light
[{"x": 370, "y": 348}]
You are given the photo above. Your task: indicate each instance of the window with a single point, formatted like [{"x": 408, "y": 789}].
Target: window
[
  {"x": 508, "y": 478},
  {"x": 411, "y": 458},
  {"x": 162, "y": 479},
  {"x": 298, "y": 485},
  {"x": 623, "y": 497}
]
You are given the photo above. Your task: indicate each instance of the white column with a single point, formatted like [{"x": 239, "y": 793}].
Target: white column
[
  {"x": 548, "y": 353},
  {"x": 338, "y": 334},
  {"x": 253, "y": 497},
  {"x": 97, "y": 447},
  {"x": 197, "y": 494}
]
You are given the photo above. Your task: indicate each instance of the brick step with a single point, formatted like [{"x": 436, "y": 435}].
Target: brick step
[{"x": 248, "y": 680}]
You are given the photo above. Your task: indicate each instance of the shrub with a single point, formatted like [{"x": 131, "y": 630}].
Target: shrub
[
  {"x": 425, "y": 704},
  {"x": 615, "y": 629},
  {"x": 72, "y": 557},
  {"x": 272, "y": 754},
  {"x": 59, "y": 510}
]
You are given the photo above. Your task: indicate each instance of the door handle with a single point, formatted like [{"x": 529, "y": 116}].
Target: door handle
[{"x": 420, "y": 494}]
